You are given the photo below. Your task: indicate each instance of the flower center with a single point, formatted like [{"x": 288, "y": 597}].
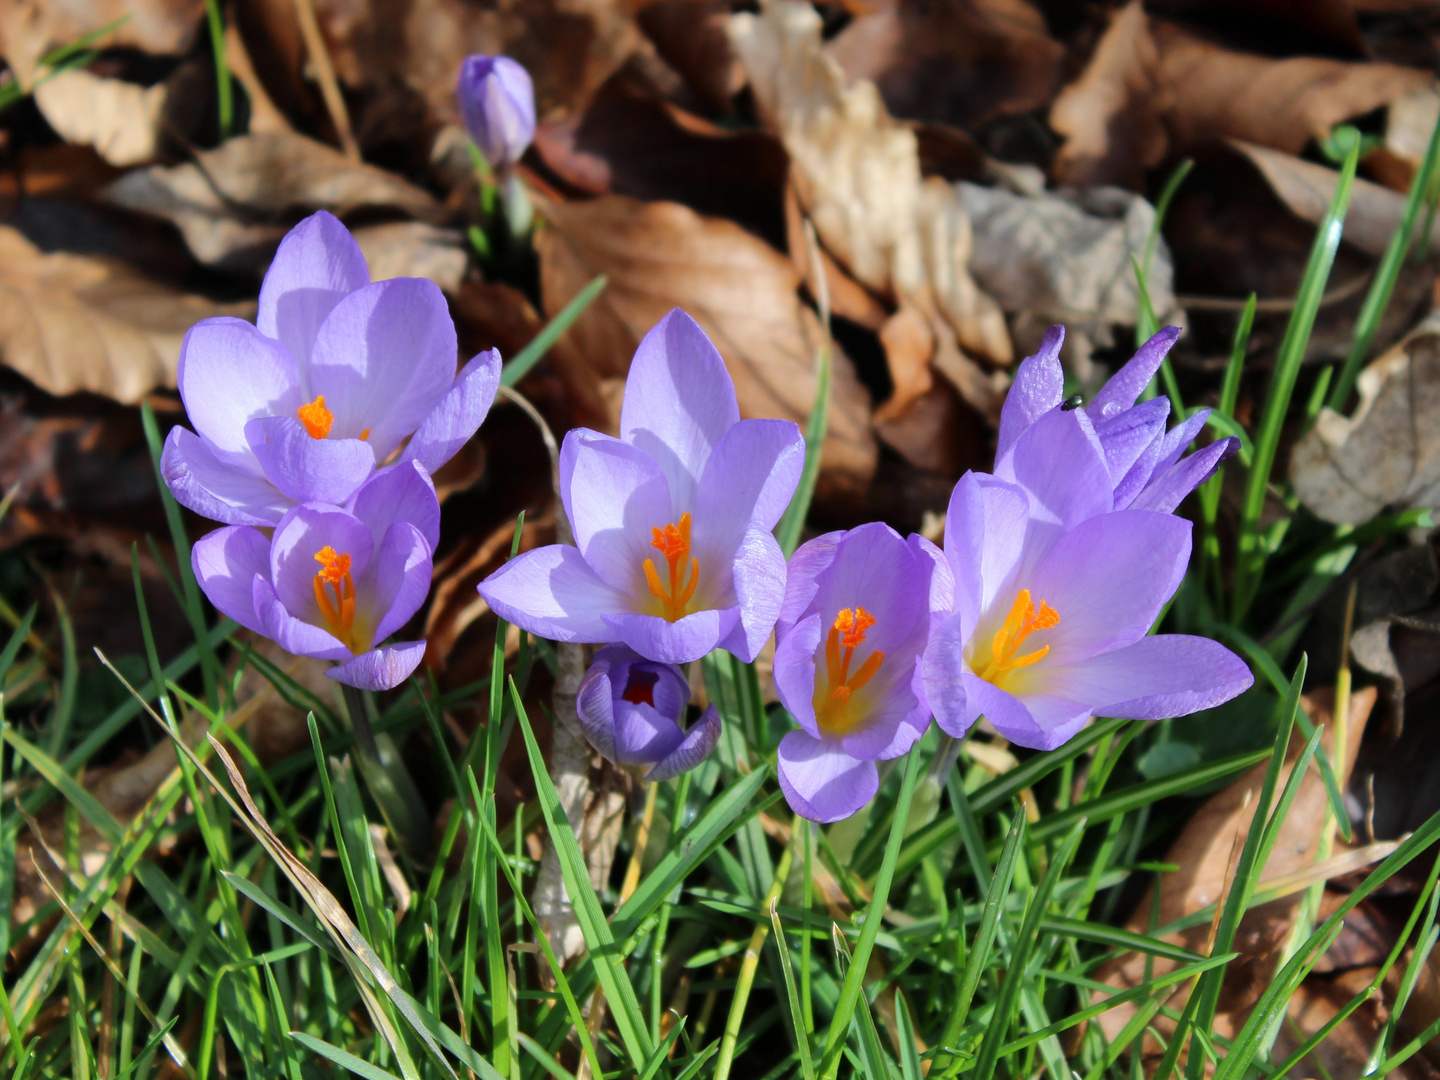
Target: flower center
[
  {"x": 317, "y": 419},
  {"x": 335, "y": 593},
  {"x": 673, "y": 541},
  {"x": 1022, "y": 621},
  {"x": 640, "y": 687},
  {"x": 833, "y": 710}
]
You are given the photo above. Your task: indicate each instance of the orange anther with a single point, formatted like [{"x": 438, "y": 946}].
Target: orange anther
[
  {"x": 316, "y": 417},
  {"x": 337, "y": 605},
  {"x": 832, "y": 701},
  {"x": 1022, "y": 621},
  {"x": 673, "y": 541}
]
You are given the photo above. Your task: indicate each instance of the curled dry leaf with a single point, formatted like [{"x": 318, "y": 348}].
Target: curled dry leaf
[
  {"x": 121, "y": 120},
  {"x": 1205, "y": 852},
  {"x": 82, "y": 322},
  {"x": 1214, "y": 92},
  {"x": 742, "y": 291},
  {"x": 230, "y": 202},
  {"x": 1387, "y": 455},
  {"x": 1110, "y": 115}
]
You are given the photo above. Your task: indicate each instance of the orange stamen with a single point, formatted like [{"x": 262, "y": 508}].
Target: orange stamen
[
  {"x": 673, "y": 541},
  {"x": 316, "y": 417},
  {"x": 337, "y": 606},
  {"x": 832, "y": 702},
  {"x": 1022, "y": 621}
]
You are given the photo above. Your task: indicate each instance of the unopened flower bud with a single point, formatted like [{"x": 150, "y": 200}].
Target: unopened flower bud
[{"x": 497, "y": 103}]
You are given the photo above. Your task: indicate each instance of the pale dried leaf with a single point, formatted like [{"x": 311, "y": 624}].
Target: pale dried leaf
[
  {"x": 83, "y": 322},
  {"x": 1110, "y": 115},
  {"x": 1387, "y": 455},
  {"x": 1214, "y": 92},
  {"x": 31, "y": 28},
  {"x": 413, "y": 249},
  {"x": 121, "y": 120},
  {"x": 230, "y": 202},
  {"x": 662, "y": 255}
]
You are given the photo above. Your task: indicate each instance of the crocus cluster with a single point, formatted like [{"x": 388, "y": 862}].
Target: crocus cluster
[
  {"x": 316, "y": 430},
  {"x": 1036, "y": 614}
]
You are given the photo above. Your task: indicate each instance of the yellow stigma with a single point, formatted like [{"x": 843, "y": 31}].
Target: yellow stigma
[
  {"x": 673, "y": 541},
  {"x": 316, "y": 417},
  {"x": 1022, "y": 621},
  {"x": 337, "y": 604},
  {"x": 832, "y": 701}
]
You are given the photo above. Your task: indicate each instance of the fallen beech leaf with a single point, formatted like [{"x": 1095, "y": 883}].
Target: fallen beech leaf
[
  {"x": 1216, "y": 93},
  {"x": 663, "y": 255},
  {"x": 1307, "y": 190},
  {"x": 1066, "y": 258},
  {"x": 413, "y": 249},
  {"x": 31, "y": 28},
  {"x": 1110, "y": 115},
  {"x": 229, "y": 203},
  {"x": 121, "y": 120},
  {"x": 1387, "y": 455},
  {"x": 82, "y": 322},
  {"x": 961, "y": 63}
]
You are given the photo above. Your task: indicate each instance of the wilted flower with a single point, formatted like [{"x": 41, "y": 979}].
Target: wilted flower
[
  {"x": 336, "y": 375},
  {"x": 497, "y": 103},
  {"x": 630, "y": 709},
  {"x": 1048, "y": 627},
  {"x": 331, "y": 583},
  {"x": 674, "y": 553},
  {"x": 848, "y": 646}
]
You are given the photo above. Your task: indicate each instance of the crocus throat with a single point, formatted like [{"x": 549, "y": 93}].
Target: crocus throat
[
  {"x": 640, "y": 687},
  {"x": 673, "y": 541},
  {"x": 335, "y": 594},
  {"x": 1022, "y": 621},
  {"x": 318, "y": 420},
  {"x": 833, "y": 712}
]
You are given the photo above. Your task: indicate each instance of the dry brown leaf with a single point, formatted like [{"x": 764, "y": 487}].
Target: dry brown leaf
[
  {"x": 1110, "y": 115},
  {"x": 81, "y": 322},
  {"x": 31, "y": 28},
  {"x": 1214, "y": 92},
  {"x": 1205, "y": 853},
  {"x": 660, "y": 256},
  {"x": 121, "y": 120},
  {"x": 961, "y": 63},
  {"x": 414, "y": 249},
  {"x": 1387, "y": 454},
  {"x": 230, "y": 202}
]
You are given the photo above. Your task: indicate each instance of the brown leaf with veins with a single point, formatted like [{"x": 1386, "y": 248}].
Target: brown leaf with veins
[
  {"x": 660, "y": 256},
  {"x": 85, "y": 322},
  {"x": 1215, "y": 92},
  {"x": 1110, "y": 115}
]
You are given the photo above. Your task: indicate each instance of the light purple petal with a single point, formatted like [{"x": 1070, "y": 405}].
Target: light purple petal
[
  {"x": 642, "y": 735},
  {"x": 679, "y": 401},
  {"x": 1157, "y": 677},
  {"x": 875, "y": 569},
  {"x": 226, "y": 562},
  {"x": 303, "y": 532},
  {"x": 614, "y": 496},
  {"x": 307, "y": 469},
  {"x": 795, "y": 670},
  {"x": 497, "y": 105},
  {"x": 229, "y": 374},
  {"x": 1164, "y": 493},
  {"x": 317, "y": 265},
  {"x": 1127, "y": 383},
  {"x": 290, "y": 633},
  {"x": 380, "y": 669},
  {"x": 749, "y": 479},
  {"x": 759, "y": 580},
  {"x": 822, "y": 782},
  {"x": 1133, "y": 441},
  {"x": 1039, "y": 721},
  {"x": 1059, "y": 461},
  {"x": 809, "y": 559},
  {"x": 944, "y": 672},
  {"x": 402, "y": 492},
  {"x": 401, "y": 580},
  {"x": 383, "y": 361},
  {"x": 595, "y": 708},
  {"x": 1107, "y": 579},
  {"x": 553, "y": 593},
  {"x": 459, "y": 415},
  {"x": 1179, "y": 438},
  {"x": 679, "y": 642},
  {"x": 1038, "y": 386},
  {"x": 897, "y": 712},
  {"x": 985, "y": 529},
  {"x": 216, "y": 490},
  {"x": 697, "y": 745}
]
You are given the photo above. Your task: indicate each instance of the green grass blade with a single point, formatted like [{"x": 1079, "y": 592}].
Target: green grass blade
[
  {"x": 343, "y": 1058},
  {"x": 521, "y": 363},
  {"x": 792, "y": 995},
  {"x": 788, "y": 532}
]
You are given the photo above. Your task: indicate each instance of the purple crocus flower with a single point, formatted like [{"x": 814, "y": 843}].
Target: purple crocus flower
[
  {"x": 674, "y": 552},
  {"x": 497, "y": 103},
  {"x": 847, "y": 664},
  {"x": 1047, "y": 626},
  {"x": 333, "y": 583},
  {"x": 1110, "y": 455},
  {"x": 630, "y": 710},
  {"x": 338, "y": 373}
]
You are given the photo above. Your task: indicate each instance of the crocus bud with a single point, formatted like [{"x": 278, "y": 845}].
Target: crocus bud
[{"x": 497, "y": 103}]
